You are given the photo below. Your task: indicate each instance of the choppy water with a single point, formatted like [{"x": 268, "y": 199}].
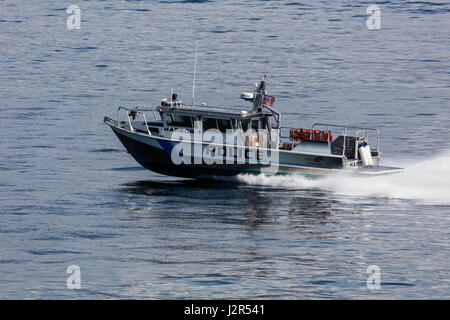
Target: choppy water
[{"x": 70, "y": 195}]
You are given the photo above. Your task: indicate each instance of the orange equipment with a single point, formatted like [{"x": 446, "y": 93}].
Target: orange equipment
[{"x": 299, "y": 134}]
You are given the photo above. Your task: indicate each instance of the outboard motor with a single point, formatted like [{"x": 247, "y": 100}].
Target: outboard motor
[{"x": 365, "y": 154}]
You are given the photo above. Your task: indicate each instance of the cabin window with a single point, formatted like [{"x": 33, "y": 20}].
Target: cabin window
[
  {"x": 182, "y": 121},
  {"x": 167, "y": 117},
  {"x": 209, "y": 123},
  {"x": 224, "y": 125},
  {"x": 244, "y": 125},
  {"x": 255, "y": 125},
  {"x": 262, "y": 124},
  {"x": 176, "y": 120}
]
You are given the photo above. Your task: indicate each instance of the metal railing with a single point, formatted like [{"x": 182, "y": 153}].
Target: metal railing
[
  {"x": 156, "y": 115},
  {"x": 364, "y": 134},
  {"x": 361, "y": 133},
  {"x": 133, "y": 113}
]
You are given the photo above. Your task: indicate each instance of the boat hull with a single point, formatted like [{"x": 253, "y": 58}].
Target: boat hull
[{"x": 154, "y": 153}]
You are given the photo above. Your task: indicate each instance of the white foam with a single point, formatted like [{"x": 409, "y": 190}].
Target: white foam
[{"x": 425, "y": 181}]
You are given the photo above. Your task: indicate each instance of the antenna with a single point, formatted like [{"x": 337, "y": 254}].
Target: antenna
[
  {"x": 266, "y": 66},
  {"x": 195, "y": 71}
]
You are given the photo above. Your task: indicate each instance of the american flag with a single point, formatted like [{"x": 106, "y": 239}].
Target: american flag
[{"x": 269, "y": 100}]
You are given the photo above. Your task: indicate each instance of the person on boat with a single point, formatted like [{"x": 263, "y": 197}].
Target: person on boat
[{"x": 254, "y": 140}]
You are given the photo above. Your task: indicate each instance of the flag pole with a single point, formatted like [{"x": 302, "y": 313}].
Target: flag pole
[{"x": 195, "y": 71}]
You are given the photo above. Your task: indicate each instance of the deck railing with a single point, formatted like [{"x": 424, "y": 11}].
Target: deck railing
[
  {"x": 133, "y": 113},
  {"x": 361, "y": 132}
]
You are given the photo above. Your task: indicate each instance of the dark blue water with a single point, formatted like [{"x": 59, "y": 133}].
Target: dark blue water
[{"x": 71, "y": 195}]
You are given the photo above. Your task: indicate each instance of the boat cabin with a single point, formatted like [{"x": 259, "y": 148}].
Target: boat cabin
[{"x": 199, "y": 120}]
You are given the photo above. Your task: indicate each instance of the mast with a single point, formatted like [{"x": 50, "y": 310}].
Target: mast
[{"x": 260, "y": 89}]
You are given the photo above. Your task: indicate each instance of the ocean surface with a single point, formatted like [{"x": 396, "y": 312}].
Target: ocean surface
[{"x": 71, "y": 195}]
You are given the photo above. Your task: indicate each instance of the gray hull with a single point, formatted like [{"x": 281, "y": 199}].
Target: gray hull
[{"x": 154, "y": 153}]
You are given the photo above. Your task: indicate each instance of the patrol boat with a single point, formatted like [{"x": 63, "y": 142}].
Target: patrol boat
[{"x": 192, "y": 141}]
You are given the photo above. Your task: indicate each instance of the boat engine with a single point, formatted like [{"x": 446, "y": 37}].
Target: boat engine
[{"x": 365, "y": 154}]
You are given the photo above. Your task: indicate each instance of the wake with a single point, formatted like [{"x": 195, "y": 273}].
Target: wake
[{"x": 426, "y": 181}]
